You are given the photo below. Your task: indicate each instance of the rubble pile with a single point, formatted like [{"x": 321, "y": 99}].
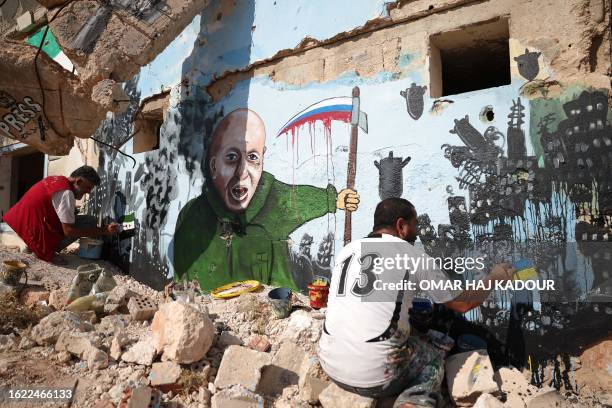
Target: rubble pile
[{"x": 216, "y": 353}]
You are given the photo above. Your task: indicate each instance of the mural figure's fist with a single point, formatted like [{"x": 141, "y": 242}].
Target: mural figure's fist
[{"x": 348, "y": 200}]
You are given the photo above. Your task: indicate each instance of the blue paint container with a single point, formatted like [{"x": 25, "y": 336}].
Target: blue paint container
[{"x": 90, "y": 248}]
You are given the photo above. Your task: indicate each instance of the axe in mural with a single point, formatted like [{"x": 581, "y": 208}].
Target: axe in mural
[{"x": 344, "y": 109}]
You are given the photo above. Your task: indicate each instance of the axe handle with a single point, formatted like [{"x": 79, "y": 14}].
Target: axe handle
[{"x": 351, "y": 173}]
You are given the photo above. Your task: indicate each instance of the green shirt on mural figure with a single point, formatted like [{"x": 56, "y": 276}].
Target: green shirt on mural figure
[{"x": 217, "y": 246}]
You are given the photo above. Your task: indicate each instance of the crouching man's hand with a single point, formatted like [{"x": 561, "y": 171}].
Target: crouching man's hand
[
  {"x": 348, "y": 200},
  {"x": 113, "y": 228},
  {"x": 502, "y": 272}
]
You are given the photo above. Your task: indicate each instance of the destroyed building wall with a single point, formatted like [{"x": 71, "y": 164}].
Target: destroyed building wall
[{"x": 519, "y": 170}]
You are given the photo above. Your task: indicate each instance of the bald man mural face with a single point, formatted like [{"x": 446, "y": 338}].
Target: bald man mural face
[{"x": 236, "y": 158}]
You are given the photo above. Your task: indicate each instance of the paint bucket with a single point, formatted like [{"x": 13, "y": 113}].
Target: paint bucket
[
  {"x": 12, "y": 271},
  {"x": 470, "y": 342},
  {"x": 90, "y": 248},
  {"x": 420, "y": 314},
  {"x": 280, "y": 300},
  {"x": 318, "y": 291}
]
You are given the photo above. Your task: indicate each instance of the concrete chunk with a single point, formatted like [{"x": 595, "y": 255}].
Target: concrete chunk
[
  {"x": 48, "y": 330},
  {"x": 165, "y": 375},
  {"x": 182, "y": 333},
  {"x": 335, "y": 397},
  {"x": 241, "y": 366},
  {"x": 236, "y": 397},
  {"x": 143, "y": 352},
  {"x": 469, "y": 375}
]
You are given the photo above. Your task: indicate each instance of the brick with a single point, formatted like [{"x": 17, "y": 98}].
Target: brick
[
  {"x": 259, "y": 343},
  {"x": 334, "y": 397},
  {"x": 141, "y": 397},
  {"x": 141, "y": 308},
  {"x": 469, "y": 375},
  {"x": 165, "y": 376},
  {"x": 241, "y": 366}
]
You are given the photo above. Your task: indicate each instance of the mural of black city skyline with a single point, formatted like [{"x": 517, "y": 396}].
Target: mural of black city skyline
[{"x": 517, "y": 208}]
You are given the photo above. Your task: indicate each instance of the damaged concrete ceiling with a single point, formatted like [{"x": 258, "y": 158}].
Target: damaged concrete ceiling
[{"x": 107, "y": 42}]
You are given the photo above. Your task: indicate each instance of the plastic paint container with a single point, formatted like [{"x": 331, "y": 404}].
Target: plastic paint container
[
  {"x": 280, "y": 300},
  {"x": 90, "y": 248},
  {"x": 420, "y": 314}
]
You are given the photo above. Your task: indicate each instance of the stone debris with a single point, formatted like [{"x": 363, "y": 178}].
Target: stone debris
[
  {"x": 165, "y": 375},
  {"x": 469, "y": 375},
  {"x": 489, "y": 401},
  {"x": 143, "y": 352},
  {"x": 335, "y": 397},
  {"x": 32, "y": 295},
  {"x": 182, "y": 333},
  {"x": 223, "y": 353},
  {"x": 85, "y": 346},
  {"x": 117, "y": 299},
  {"x": 236, "y": 397},
  {"x": 241, "y": 366},
  {"x": 514, "y": 384},
  {"x": 258, "y": 342},
  {"x": 48, "y": 330},
  {"x": 546, "y": 398}
]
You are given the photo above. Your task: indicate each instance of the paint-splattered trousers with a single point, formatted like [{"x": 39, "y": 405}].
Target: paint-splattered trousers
[{"x": 420, "y": 368}]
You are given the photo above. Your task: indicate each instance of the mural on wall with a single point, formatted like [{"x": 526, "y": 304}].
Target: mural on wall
[
  {"x": 239, "y": 227},
  {"x": 533, "y": 183}
]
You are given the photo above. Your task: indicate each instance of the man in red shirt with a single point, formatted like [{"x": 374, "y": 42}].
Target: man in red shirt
[{"x": 45, "y": 217}]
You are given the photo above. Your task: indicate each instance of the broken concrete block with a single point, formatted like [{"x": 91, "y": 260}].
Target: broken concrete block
[
  {"x": 284, "y": 370},
  {"x": 48, "y": 330},
  {"x": 143, "y": 352},
  {"x": 117, "y": 299},
  {"x": 335, "y": 397},
  {"x": 243, "y": 366},
  {"x": 32, "y": 295},
  {"x": 141, "y": 397},
  {"x": 85, "y": 346},
  {"x": 236, "y": 397},
  {"x": 469, "y": 375},
  {"x": 312, "y": 381},
  {"x": 57, "y": 298},
  {"x": 112, "y": 324},
  {"x": 514, "y": 384},
  {"x": 25, "y": 22},
  {"x": 258, "y": 342},
  {"x": 546, "y": 398},
  {"x": 183, "y": 333},
  {"x": 165, "y": 376},
  {"x": 141, "y": 308}
]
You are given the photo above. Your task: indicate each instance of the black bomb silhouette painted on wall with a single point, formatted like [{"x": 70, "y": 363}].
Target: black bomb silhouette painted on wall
[
  {"x": 414, "y": 100},
  {"x": 390, "y": 176},
  {"x": 528, "y": 65}
]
